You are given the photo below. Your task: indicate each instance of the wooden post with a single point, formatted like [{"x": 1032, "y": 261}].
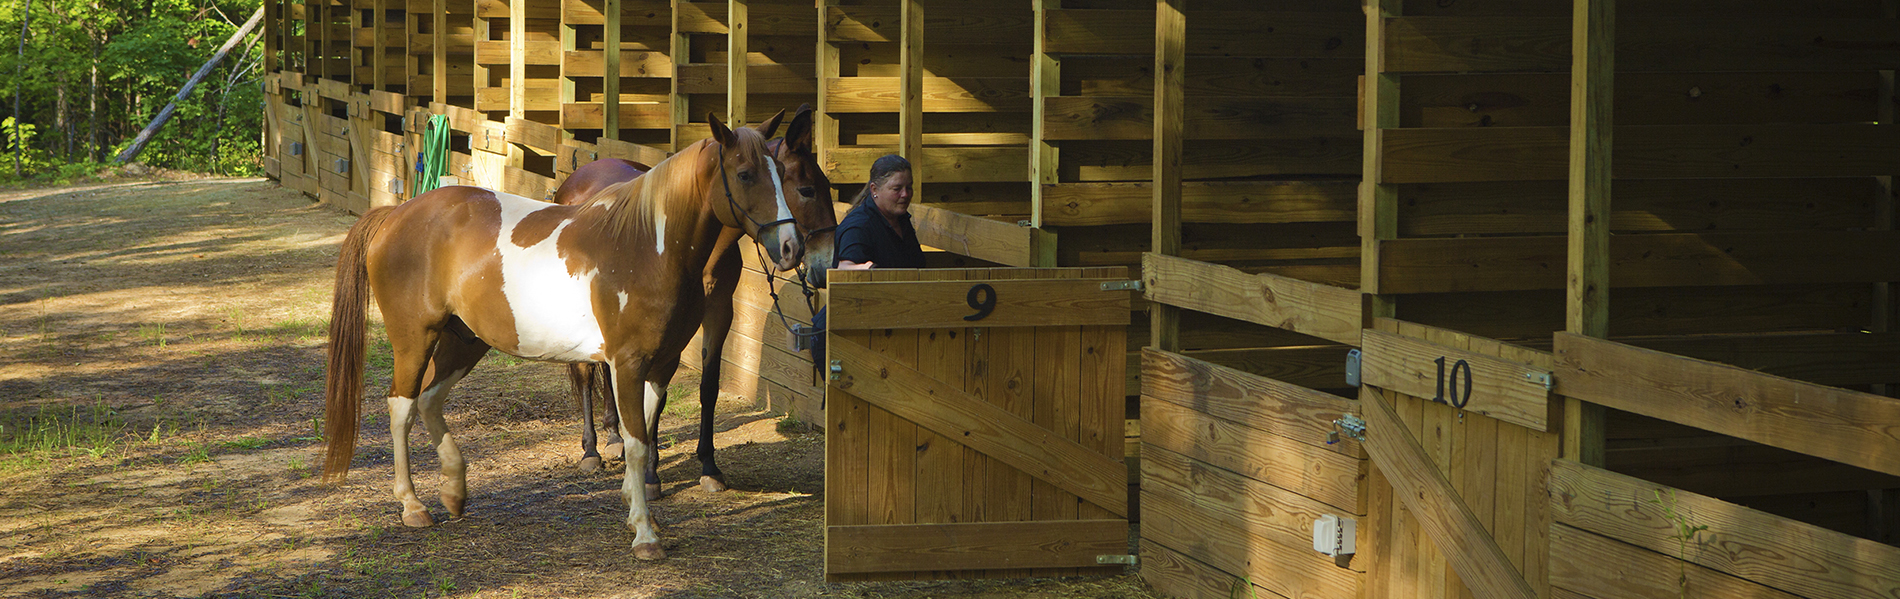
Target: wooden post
[
  {"x": 1045, "y": 80},
  {"x": 1587, "y": 300},
  {"x": 610, "y": 70},
  {"x": 1170, "y": 118},
  {"x": 1378, "y": 202},
  {"x": 1883, "y": 199},
  {"x": 517, "y": 58},
  {"x": 910, "y": 116},
  {"x": 825, "y": 126},
  {"x": 569, "y": 42},
  {"x": 379, "y": 47},
  {"x": 736, "y": 62},
  {"x": 439, "y": 59},
  {"x": 682, "y": 51},
  {"x": 273, "y": 10}
]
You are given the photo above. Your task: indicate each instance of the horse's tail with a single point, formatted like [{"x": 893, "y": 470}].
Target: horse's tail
[{"x": 349, "y": 308}]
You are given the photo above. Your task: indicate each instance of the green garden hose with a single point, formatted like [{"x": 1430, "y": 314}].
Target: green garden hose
[{"x": 432, "y": 159}]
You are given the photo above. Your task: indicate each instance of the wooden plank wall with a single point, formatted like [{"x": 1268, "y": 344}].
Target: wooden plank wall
[
  {"x": 974, "y": 105},
  {"x": 1499, "y": 470},
  {"x": 1057, "y": 378},
  {"x": 779, "y": 69},
  {"x": 1617, "y": 536}
]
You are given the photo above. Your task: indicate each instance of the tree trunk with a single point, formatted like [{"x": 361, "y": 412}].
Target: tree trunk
[
  {"x": 158, "y": 122},
  {"x": 19, "y": 148},
  {"x": 92, "y": 107}
]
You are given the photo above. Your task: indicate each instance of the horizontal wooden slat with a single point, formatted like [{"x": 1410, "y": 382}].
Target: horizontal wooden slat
[
  {"x": 1642, "y": 205},
  {"x": 1835, "y": 359},
  {"x": 1436, "y": 507},
  {"x": 1792, "y": 556},
  {"x": 1228, "y": 539},
  {"x": 761, "y": 18},
  {"x": 1093, "y": 204},
  {"x": 1845, "y": 426},
  {"x": 1310, "y": 308},
  {"x": 1539, "y": 153},
  {"x": 1543, "y": 99},
  {"x": 1178, "y": 575},
  {"x": 632, "y": 116},
  {"x": 944, "y": 165},
  {"x": 1321, "y": 367},
  {"x": 1301, "y": 468},
  {"x": 971, "y": 23},
  {"x": 1015, "y": 303},
  {"x": 593, "y": 63},
  {"x": 1504, "y": 44},
  {"x": 1590, "y": 566},
  {"x": 1503, "y": 389},
  {"x": 972, "y": 545},
  {"x": 1132, "y": 117},
  {"x": 1266, "y": 404},
  {"x": 941, "y": 94},
  {"x": 500, "y": 9},
  {"x": 1332, "y": 157},
  {"x": 634, "y": 13},
  {"x": 1657, "y": 260},
  {"x": 760, "y": 79},
  {"x": 497, "y": 52},
  {"x": 1227, "y": 33},
  {"x": 975, "y": 423},
  {"x": 1099, "y": 75}
]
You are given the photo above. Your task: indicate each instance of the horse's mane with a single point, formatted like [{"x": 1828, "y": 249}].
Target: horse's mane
[{"x": 631, "y": 206}]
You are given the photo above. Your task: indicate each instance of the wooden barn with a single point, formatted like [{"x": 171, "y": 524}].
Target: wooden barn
[{"x": 1531, "y": 298}]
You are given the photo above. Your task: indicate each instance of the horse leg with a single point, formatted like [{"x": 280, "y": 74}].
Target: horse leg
[
  {"x": 577, "y": 377},
  {"x": 603, "y": 386},
  {"x": 454, "y": 357},
  {"x": 716, "y": 325},
  {"x": 662, "y": 375},
  {"x": 411, "y": 347},
  {"x": 629, "y": 380}
]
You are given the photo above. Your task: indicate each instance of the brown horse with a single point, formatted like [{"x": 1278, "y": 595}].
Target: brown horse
[
  {"x": 816, "y": 221},
  {"x": 613, "y": 280}
]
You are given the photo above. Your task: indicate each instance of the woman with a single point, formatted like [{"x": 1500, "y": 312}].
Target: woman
[{"x": 876, "y": 233}]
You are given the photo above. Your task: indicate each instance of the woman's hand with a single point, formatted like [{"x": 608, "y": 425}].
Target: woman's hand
[{"x": 849, "y": 265}]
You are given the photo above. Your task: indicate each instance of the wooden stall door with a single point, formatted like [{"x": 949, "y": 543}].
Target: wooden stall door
[{"x": 974, "y": 423}]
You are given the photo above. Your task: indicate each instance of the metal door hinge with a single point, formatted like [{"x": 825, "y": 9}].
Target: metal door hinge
[
  {"x": 1122, "y": 286},
  {"x": 1115, "y": 560},
  {"x": 837, "y": 369},
  {"x": 1353, "y": 358},
  {"x": 1541, "y": 378}
]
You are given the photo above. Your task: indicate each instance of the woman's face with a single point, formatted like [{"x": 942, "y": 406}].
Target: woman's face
[{"x": 893, "y": 194}]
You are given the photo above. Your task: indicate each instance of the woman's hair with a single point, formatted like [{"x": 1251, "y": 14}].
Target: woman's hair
[{"x": 882, "y": 169}]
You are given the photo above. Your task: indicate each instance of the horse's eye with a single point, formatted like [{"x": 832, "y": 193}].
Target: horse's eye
[
  {"x": 745, "y": 177},
  {"x": 807, "y": 191}
]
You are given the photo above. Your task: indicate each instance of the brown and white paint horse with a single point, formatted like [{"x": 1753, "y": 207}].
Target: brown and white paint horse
[
  {"x": 613, "y": 280},
  {"x": 816, "y": 220}
]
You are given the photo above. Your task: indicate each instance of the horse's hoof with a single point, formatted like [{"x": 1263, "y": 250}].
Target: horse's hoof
[
  {"x": 711, "y": 484},
  {"x": 653, "y": 492},
  {"x": 648, "y": 552},
  {"x": 614, "y": 451},
  {"x": 590, "y": 464},
  {"x": 417, "y": 519},
  {"x": 454, "y": 505}
]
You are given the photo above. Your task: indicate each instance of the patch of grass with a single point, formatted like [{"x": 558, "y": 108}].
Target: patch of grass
[
  {"x": 235, "y": 316},
  {"x": 153, "y": 334},
  {"x": 790, "y": 424},
  {"x": 246, "y": 443},
  {"x": 46, "y": 432}
]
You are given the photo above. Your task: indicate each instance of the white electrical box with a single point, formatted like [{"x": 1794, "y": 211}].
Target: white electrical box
[{"x": 1335, "y": 536}]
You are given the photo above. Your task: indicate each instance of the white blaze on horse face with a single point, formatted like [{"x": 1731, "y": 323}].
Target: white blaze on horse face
[
  {"x": 787, "y": 227},
  {"x": 554, "y": 317}
]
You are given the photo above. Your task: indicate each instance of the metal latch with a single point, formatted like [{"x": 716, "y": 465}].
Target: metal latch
[
  {"x": 837, "y": 369},
  {"x": 1122, "y": 286},
  {"x": 1353, "y": 358},
  {"x": 296, "y": 148},
  {"x": 342, "y": 166},
  {"x": 802, "y": 336},
  {"x": 395, "y": 186},
  {"x": 1115, "y": 560},
  {"x": 1541, "y": 378},
  {"x": 1352, "y": 425}
]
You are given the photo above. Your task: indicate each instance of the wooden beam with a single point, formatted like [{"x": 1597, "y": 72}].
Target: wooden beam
[
  {"x": 952, "y": 304},
  {"x": 1451, "y": 265},
  {"x": 1845, "y": 426},
  {"x": 438, "y": 56},
  {"x": 1507, "y": 390},
  {"x": 946, "y": 164},
  {"x": 1319, "y": 310},
  {"x": 1590, "y": 566},
  {"x": 1378, "y": 202},
  {"x": 1045, "y": 83},
  {"x": 975, "y": 423},
  {"x": 1792, "y": 556},
  {"x": 972, "y": 545},
  {"x": 1236, "y": 202},
  {"x": 1587, "y": 278},
  {"x": 1460, "y": 154},
  {"x": 1308, "y": 470},
  {"x": 825, "y": 124},
  {"x": 1266, "y": 404},
  {"x": 940, "y": 94},
  {"x": 738, "y": 34},
  {"x": 1170, "y": 69},
  {"x": 910, "y": 110},
  {"x": 1250, "y": 538},
  {"x": 1437, "y": 508}
]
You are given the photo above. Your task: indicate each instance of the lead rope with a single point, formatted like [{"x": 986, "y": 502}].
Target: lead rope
[{"x": 759, "y": 251}]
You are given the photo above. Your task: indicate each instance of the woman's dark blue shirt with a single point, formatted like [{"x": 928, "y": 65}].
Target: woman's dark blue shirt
[{"x": 865, "y": 236}]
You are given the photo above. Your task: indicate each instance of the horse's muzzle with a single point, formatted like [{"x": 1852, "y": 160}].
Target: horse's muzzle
[{"x": 784, "y": 246}]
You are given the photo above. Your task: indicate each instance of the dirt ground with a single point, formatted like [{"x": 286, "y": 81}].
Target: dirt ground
[{"x": 161, "y": 369}]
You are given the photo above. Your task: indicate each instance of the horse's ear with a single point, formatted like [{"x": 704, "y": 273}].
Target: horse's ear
[
  {"x": 798, "y": 135},
  {"x": 720, "y": 132},
  {"x": 770, "y": 126}
]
